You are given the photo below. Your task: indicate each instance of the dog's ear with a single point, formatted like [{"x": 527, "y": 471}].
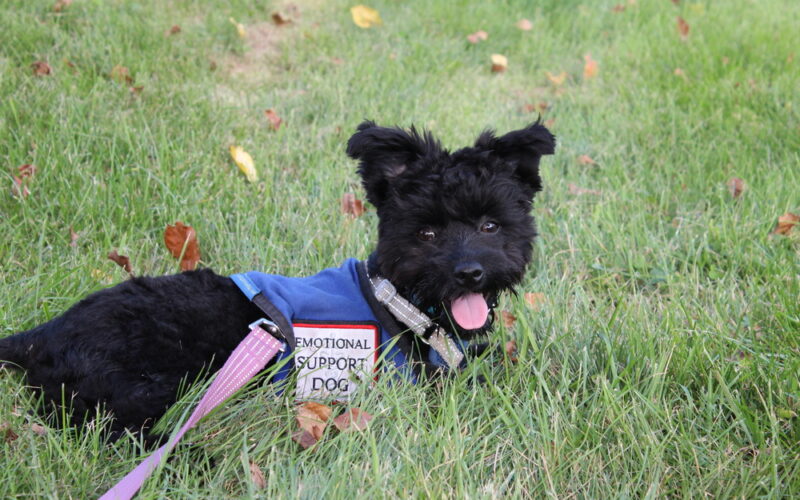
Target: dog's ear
[
  {"x": 386, "y": 154},
  {"x": 522, "y": 149}
]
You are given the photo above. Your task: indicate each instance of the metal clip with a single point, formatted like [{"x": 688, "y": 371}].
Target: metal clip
[{"x": 271, "y": 328}]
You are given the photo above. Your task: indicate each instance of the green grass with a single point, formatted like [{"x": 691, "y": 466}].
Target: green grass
[{"x": 665, "y": 361}]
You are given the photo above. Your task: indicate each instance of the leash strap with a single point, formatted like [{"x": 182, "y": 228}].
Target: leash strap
[
  {"x": 418, "y": 321},
  {"x": 249, "y": 357}
]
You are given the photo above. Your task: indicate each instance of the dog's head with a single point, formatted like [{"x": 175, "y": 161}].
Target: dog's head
[{"x": 455, "y": 228}]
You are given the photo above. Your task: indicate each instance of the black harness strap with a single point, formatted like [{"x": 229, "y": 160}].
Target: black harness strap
[{"x": 275, "y": 315}]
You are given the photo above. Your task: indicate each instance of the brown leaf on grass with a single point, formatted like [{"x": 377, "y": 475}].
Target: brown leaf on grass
[
  {"x": 121, "y": 74},
  {"x": 683, "y": 28},
  {"x": 304, "y": 439},
  {"x": 499, "y": 63},
  {"x": 352, "y": 206},
  {"x": 590, "y": 67},
  {"x": 280, "y": 18},
  {"x": 174, "y": 30},
  {"x": 122, "y": 261},
  {"x": 676, "y": 2},
  {"x": 257, "y": 477},
  {"x": 524, "y": 25},
  {"x": 354, "y": 419},
  {"x": 41, "y": 68},
  {"x": 586, "y": 160},
  {"x": 27, "y": 170},
  {"x": 73, "y": 238},
  {"x": 273, "y": 118},
  {"x": 508, "y": 319},
  {"x": 38, "y": 429},
  {"x": 19, "y": 188},
  {"x": 313, "y": 418},
  {"x": 181, "y": 240},
  {"x": 478, "y": 36},
  {"x": 539, "y": 107},
  {"x": 735, "y": 186},
  {"x": 60, "y": 5},
  {"x": 8, "y": 433},
  {"x": 511, "y": 351},
  {"x": 618, "y": 8},
  {"x": 549, "y": 123},
  {"x": 558, "y": 79},
  {"x": 786, "y": 223},
  {"x": 535, "y": 299},
  {"x": 579, "y": 191}
]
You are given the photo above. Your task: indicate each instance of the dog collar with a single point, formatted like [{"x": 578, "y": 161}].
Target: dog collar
[{"x": 426, "y": 329}]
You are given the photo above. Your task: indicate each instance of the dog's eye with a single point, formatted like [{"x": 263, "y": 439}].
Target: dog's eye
[
  {"x": 426, "y": 234},
  {"x": 489, "y": 227}
]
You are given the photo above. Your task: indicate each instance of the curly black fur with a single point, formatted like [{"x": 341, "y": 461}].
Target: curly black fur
[{"x": 128, "y": 347}]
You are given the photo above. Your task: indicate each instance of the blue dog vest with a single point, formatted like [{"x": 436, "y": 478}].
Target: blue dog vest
[{"x": 339, "y": 338}]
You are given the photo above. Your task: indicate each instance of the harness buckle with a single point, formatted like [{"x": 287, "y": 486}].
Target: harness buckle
[{"x": 271, "y": 328}]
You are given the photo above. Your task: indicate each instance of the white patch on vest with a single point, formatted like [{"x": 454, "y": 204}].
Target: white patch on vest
[{"x": 333, "y": 360}]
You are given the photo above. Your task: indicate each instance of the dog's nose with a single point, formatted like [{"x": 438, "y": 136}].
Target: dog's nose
[{"x": 469, "y": 273}]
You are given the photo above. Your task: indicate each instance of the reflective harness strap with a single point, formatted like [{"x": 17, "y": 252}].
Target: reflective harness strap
[
  {"x": 250, "y": 357},
  {"x": 417, "y": 321}
]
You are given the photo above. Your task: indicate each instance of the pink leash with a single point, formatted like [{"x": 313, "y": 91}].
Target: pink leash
[{"x": 249, "y": 357}]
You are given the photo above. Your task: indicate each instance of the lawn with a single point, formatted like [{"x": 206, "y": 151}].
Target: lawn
[{"x": 659, "y": 356}]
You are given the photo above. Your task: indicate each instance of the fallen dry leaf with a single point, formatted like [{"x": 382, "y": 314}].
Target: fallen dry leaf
[
  {"x": 73, "y": 238},
  {"x": 558, "y": 79},
  {"x": 273, "y": 118},
  {"x": 27, "y": 170},
  {"x": 786, "y": 223},
  {"x": 244, "y": 161},
  {"x": 735, "y": 186},
  {"x": 477, "y": 36},
  {"x": 365, "y": 17},
  {"x": 579, "y": 191},
  {"x": 535, "y": 299},
  {"x": 121, "y": 74},
  {"x": 511, "y": 351},
  {"x": 352, "y": 206},
  {"x": 8, "y": 433},
  {"x": 304, "y": 439},
  {"x": 499, "y": 63},
  {"x": 618, "y": 8},
  {"x": 280, "y": 18},
  {"x": 524, "y": 25},
  {"x": 122, "y": 261},
  {"x": 174, "y": 30},
  {"x": 19, "y": 188},
  {"x": 38, "y": 429},
  {"x": 239, "y": 27},
  {"x": 313, "y": 418},
  {"x": 683, "y": 28},
  {"x": 60, "y": 5},
  {"x": 586, "y": 160},
  {"x": 181, "y": 241},
  {"x": 354, "y": 419},
  {"x": 257, "y": 477},
  {"x": 508, "y": 319},
  {"x": 41, "y": 68},
  {"x": 590, "y": 67}
]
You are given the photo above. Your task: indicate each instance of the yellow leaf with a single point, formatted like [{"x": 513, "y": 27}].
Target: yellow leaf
[
  {"x": 365, "y": 17},
  {"x": 558, "y": 79},
  {"x": 244, "y": 161},
  {"x": 499, "y": 63},
  {"x": 239, "y": 27}
]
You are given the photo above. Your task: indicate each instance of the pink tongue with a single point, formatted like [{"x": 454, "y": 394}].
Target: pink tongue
[{"x": 470, "y": 311}]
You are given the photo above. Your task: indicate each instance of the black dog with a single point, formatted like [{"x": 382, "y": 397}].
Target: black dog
[{"x": 455, "y": 230}]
